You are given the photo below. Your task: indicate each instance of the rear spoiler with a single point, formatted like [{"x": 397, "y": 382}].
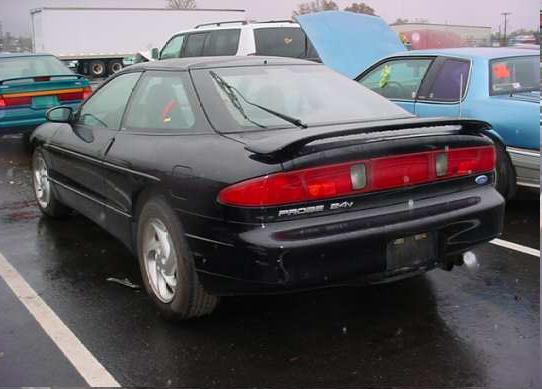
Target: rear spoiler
[
  {"x": 77, "y": 76},
  {"x": 272, "y": 146}
]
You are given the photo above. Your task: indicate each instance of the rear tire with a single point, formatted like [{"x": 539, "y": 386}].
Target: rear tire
[
  {"x": 43, "y": 188},
  {"x": 506, "y": 174},
  {"x": 114, "y": 66},
  {"x": 167, "y": 265},
  {"x": 97, "y": 69}
]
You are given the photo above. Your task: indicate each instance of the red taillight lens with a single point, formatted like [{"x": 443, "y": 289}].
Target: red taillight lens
[
  {"x": 7, "y": 101},
  {"x": 351, "y": 178},
  {"x": 471, "y": 160},
  {"x": 70, "y": 96},
  {"x": 79, "y": 95},
  {"x": 87, "y": 91}
]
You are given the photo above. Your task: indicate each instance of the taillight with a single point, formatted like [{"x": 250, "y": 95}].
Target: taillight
[
  {"x": 81, "y": 94},
  {"x": 351, "y": 178},
  {"x": 87, "y": 91},
  {"x": 8, "y": 101}
]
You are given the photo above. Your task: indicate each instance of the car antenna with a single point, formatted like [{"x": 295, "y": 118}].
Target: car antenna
[{"x": 460, "y": 95}]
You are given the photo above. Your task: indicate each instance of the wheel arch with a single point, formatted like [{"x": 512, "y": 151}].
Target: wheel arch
[{"x": 139, "y": 199}]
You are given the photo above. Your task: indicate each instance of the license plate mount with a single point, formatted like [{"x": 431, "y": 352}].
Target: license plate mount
[
  {"x": 411, "y": 251},
  {"x": 41, "y": 102}
]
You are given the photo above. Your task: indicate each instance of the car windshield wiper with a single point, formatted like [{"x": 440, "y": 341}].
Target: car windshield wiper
[{"x": 231, "y": 91}]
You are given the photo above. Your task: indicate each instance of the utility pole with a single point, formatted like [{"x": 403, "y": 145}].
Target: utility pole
[{"x": 505, "y": 14}]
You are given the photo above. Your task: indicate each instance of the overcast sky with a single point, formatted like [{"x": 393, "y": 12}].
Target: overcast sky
[{"x": 14, "y": 14}]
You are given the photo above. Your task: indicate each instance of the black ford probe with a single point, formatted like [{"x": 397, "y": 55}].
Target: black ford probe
[{"x": 238, "y": 175}]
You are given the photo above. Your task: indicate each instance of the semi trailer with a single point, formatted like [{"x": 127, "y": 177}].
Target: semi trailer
[{"x": 94, "y": 41}]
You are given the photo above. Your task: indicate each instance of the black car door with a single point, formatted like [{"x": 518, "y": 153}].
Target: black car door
[
  {"x": 161, "y": 115},
  {"x": 78, "y": 152}
]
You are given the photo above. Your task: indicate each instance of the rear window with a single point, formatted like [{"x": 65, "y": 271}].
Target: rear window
[
  {"x": 284, "y": 42},
  {"x": 313, "y": 94},
  {"x": 15, "y": 67},
  {"x": 514, "y": 75}
]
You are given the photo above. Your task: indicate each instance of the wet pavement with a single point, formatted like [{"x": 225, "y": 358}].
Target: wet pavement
[{"x": 458, "y": 329}]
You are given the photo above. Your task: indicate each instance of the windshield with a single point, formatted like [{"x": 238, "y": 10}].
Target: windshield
[
  {"x": 306, "y": 95},
  {"x": 31, "y": 66},
  {"x": 514, "y": 75}
]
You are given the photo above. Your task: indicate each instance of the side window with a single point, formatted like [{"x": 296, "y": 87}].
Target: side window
[
  {"x": 222, "y": 42},
  {"x": 397, "y": 79},
  {"x": 194, "y": 45},
  {"x": 161, "y": 102},
  {"x": 449, "y": 82},
  {"x": 172, "y": 49},
  {"x": 105, "y": 108}
]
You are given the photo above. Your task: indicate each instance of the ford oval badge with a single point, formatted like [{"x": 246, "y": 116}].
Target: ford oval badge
[{"x": 481, "y": 180}]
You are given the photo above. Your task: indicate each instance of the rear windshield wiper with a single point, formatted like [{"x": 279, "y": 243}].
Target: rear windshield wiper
[
  {"x": 231, "y": 91},
  {"x": 228, "y": 90}
]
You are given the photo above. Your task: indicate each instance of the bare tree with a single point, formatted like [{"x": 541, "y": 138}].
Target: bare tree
[
  {"x": 182, "y": 4},
  {"x": 360, "y": 8},
  {"x": 316, "y": 6}
]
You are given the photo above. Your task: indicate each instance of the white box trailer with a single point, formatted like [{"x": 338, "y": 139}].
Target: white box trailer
[{"x": 99, "y": 38}]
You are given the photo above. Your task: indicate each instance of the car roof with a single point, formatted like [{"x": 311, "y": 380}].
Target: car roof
[
  {"x": 487, "y": 53},
  {"x": 14, "y": 55},
  {"x": 217, "y": 62},
  {"x": 240, "y": 25}
]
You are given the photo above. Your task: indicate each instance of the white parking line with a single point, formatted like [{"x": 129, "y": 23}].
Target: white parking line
[
  {"x": 516, "y": 247},
  {"x": 82, "y": 360}
]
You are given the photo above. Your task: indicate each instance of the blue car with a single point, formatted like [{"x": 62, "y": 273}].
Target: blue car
[
  {"x": 30, "y": 84},
  {"x": 498, "y": 85}
]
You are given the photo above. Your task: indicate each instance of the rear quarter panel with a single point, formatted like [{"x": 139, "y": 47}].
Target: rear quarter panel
[{"x": 517, "y": 122}]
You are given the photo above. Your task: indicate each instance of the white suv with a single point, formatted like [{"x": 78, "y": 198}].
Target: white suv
[{"x": 275, "y": 38}]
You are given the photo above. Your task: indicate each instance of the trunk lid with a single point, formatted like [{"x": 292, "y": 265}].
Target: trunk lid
[{"x": 349, "y": 42}]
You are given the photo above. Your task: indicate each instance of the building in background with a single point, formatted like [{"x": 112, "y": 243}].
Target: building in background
[{"x": 433, "y": 36}]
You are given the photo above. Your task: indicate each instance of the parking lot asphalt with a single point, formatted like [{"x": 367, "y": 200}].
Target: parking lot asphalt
[{"x": 465, "y": 328}]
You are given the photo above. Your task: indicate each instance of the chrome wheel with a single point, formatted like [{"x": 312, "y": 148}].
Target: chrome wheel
[
  {"x": 160, "y": 260},
  {"x": 42, "y": 186}
]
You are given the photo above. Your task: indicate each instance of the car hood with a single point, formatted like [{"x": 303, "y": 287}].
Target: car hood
[{"x": 349, "y": 42}]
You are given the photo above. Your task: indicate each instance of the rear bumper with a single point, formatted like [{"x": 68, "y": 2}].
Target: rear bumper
[
  {"x": 527, "y": 165},
  {"x": 348, "y": 248}
]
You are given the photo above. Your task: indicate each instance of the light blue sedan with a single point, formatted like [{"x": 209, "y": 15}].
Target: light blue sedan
[{"x": 497, "y": 85}]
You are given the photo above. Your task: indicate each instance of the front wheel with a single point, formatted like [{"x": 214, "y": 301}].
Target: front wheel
[{"x": 167, "y": 266}]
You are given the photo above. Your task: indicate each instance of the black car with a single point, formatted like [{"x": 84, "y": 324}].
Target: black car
[{"x": 241, "y": 175}]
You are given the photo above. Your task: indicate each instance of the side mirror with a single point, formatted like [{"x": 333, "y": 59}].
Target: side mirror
[
  {"x": 155, "y": 54},
  {"x": 60, "y": 114}
]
